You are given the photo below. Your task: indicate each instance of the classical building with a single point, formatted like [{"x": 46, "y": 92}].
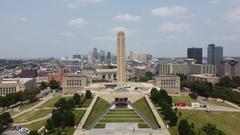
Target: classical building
[
  {"x": 204, "y": 77},
  {"x": 121, "y": 71},
  {"x": 171, "y": 83},
  {"x": 13, "y": 85},
  {"x": 74, "y": 82},
  {"x": 108, "y": 73}
]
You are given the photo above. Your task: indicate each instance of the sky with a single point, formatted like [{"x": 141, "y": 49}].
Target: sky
[{"x": 163, "y": 28}]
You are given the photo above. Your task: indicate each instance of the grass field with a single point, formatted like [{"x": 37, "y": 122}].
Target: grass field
[
  {"x": 97, "y": 109},
  {"x": 121, "y": 116},
  {"x": 51, "y": 102},
  {"x": 87, "y": 103},
  {"x": 225, "y": 121},
  {"x": 219, "y": 103},
  {"x": 36, "y": 125},
  {"x": 143, "y": 107},
  {"x": 78, "y": 115},
  {"x": 29, "y": 116},
  {"x": 182, "y": 99}
]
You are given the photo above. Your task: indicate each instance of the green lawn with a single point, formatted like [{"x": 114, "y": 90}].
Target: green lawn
[
  {"x": 36, "y": 125},
  {"x": 121, "y": 116},
  {"x": 60, "y": 131},
  {"x": 87, "y": 103},
  {"x": 32, "y": 115},
  {"x": 182, "y": 99},
  {"x": 144, "y": 108},
  {"x": 226, "y": 121},
  {"x": 51, "y": 102},
  {"x": 78, "y": 115},
  {"x": 219, "y": 103},
  {"x": 97, "y": 109}
]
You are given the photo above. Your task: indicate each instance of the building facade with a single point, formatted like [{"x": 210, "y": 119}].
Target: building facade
[
  {"x": 195, "y": 53},
  {"x": 205, "y": 78},
  {"x": 215, "y": 54},
  {"x": 74, "y": 82},
  {"x": 13, "y": 85},
  {"x": 171, "y": 83},
  {"x": 230, "y": 67}
]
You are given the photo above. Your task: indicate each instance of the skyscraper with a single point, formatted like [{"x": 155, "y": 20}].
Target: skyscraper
[
  {"x": 195, "y": 53},
  {"x": 121, "y": 75},
  {"x": 109, "y": 58},
  {"x": 95, "y": 53},
  {"x": 215, "y": 54},
  {"x": 102, "y": 56}
]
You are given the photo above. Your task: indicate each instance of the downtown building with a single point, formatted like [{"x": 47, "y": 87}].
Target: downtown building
[
  {"x": 229, "y": 67},
  {"x": 187, "y": 67},
  {"x": 195, "y": 53}
]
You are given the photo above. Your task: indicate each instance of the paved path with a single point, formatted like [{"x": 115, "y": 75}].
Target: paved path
[
  {"x": 164, "y": 129},
  {"x": 88, "y": 111},
  {"x": 33, "y": 121},
  {"x": 34, "y": 107}
]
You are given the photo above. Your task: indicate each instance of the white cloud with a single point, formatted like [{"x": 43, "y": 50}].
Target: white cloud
[
  {"x": 119, "y": 28},
  {"x": 175, "y": 27},
  {"x": 76, "y": 3},
  {"x": 170, "y": 11},
  {"x": 78, "y": 23},
  {"x": 128, "y": 17},
  {"x": 20, "y": 38},
  {"x": 233, "y": 16}
]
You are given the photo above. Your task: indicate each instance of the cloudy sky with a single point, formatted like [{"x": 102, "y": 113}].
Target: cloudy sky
[{"x": 164, "y": 28}]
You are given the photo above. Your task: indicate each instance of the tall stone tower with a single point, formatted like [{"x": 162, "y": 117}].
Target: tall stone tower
[{"x": 121, "y": 72}]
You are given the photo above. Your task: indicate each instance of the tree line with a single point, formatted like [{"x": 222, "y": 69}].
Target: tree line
[
  {"x": 21, "y": 96},
  {"x": 163, "y": 100},
  {"x": 63, "y": 112}
]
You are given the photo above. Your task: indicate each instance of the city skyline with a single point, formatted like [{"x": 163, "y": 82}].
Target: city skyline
[{"x": 68, "y": 27}]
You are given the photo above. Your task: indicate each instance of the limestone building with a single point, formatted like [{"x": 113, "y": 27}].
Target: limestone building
[
  {"x": 204, "y": 77},
  {"x": 74, "y": 82},
  {"x": 13, "y": 85},
  {"x": 171, "y": 83},
  {"x": 121, "y": 71}
]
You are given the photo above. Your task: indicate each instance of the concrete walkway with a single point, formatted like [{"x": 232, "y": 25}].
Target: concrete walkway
[
  {"x": 158, "y": 118},
  {"x": 87, "y": 113}
]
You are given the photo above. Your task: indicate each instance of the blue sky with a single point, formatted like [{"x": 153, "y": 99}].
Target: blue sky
[{"x": 164, "y": 28}]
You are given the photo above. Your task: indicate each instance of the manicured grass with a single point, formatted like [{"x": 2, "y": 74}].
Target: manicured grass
[
  {"x": 78, "y": 115},
  {"x": 182, "y": 99},
  {"x": 121, "y": 120},
  {"x": 99, "y": 126},
  {"x": 87, "y": 103},
  {"x": 27, "y": 106},
  {"x": 144, "y": 108},
  {"x": 219, "y": 103},
  {"x": 97, "y": 109},
  {"x": 51, "y": 102},
  {"x": 29, "y": 116},
  {"x": 143, "y": 126},
  {"x": 36, "y": 125},
  {"x": 225, "y": 121}
]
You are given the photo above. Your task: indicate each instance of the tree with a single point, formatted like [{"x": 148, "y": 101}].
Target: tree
[
  {"x": 6, "y": 119},
  {"x": 184, "y": 128},
  {"x": 34, "y": 132},
  {"x": 43, "y": 85},
  {"x": 211, "y": 129},
  {"x": 49, "y": 125},
  {"x": 69, "y": 119},
  {"x": 77, "y": 98},
  {"x": 53, "y": 84},
  {"x": 88, "y": 94}
]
